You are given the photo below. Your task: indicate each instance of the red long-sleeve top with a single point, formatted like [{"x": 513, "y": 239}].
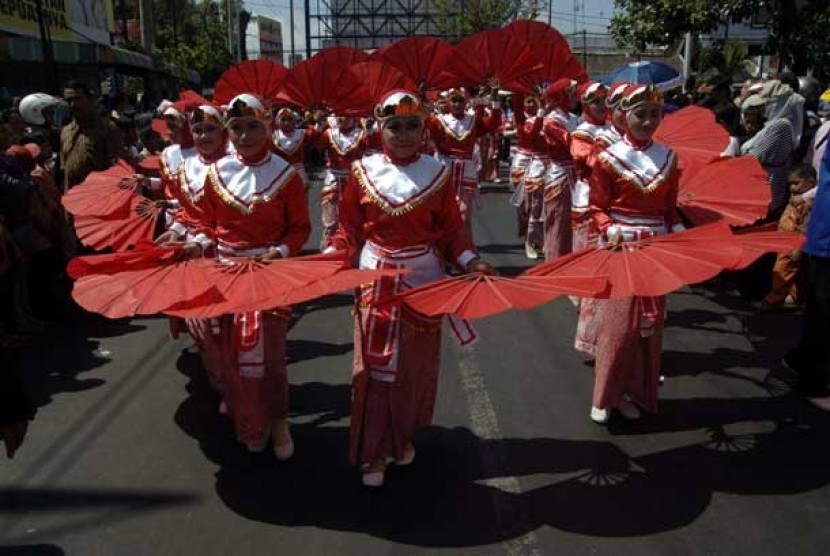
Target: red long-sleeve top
[
  {"x": 292, "y": 146},
  {"x": 256, "y": 206},
  {"x": 634, "y": 183},
  {"x": 457, "y": 137},
  {"x": 583, "y": 141},
  {"x": 342, "y": 148},
  {"x": 529, "y": 136},
  {"x": 190, "y": 192},
  {"x": 555, "y": 130},
  {"x": 398, "y": 206}
]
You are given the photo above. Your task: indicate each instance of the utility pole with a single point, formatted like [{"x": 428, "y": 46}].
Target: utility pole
[
  {"x": 291, "y": 27},
  {"x": 585, "y": 49},
  {"x": 46, "y": 48},
  {"x": 307, "y": 6},
  {"x": 230, "y": 26},
  {"x": 550, "y": 13},
  {"x": 123, "y": 7},
  {"x": 172, "y": 10},
  {"x": 687, "y": 56}
]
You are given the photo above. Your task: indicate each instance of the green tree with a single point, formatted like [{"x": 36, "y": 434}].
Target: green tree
[
  {"x": 195, "y": 36},
  {"x": 731, "y": 60},
  {"x": 798, "y": 27},
  {"x": 461, "y": 18}
]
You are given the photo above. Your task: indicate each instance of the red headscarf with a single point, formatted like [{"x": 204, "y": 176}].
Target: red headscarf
[
  {"x": 561, "y": 93},
  {"x": 589, "y": 92},
  {"x": 637, "y": 95}
]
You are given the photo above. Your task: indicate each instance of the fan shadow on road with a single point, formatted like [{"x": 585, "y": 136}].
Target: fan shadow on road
[{"x": 451, "y": 496}]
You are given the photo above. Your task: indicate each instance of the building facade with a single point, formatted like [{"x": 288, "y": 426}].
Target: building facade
[{"x": 263, "y": 39}]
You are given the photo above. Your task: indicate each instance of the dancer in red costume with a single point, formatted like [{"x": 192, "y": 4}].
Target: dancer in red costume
[
  {"x": 291, "y": 141},
  {"x": 615, "y": 129},
  {"x": 488, "y": 150},
  {"x": 586, "y": 328},
  {"x": 172, "y": 157},
  {"x": 455, "y": 134},
  {"x": 255, "y": 206},
  {"x": 559, "y": 172},
  {"x": 398, "y": 211},
  {"x": 594, "y": 113},
  {"x": 528, "y": 197},
  {"x": 633, "y": 196},
  {"x": 344, "y": 142},
  {"x": 188, "y": 225}
]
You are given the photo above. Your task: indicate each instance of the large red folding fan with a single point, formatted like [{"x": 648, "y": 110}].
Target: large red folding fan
[
  {"x": 100, "y": 193},
  {"x": 733, "y": 189},
  {"x": 694, "y": 135},
  {"x": 491, "y": 58},
  {"x": 380, "y": 78},
  {"x": 145, "y": 291},
  {"x": 324, "y": 81},
  {"x": 478, "y": 295},
  {"x": 758, "y": 240},
  {"x": 261, "y": 77},
  {"x": 119, "y": 232},
  {"x": 420, "y": 58},
  {"x": 654, "y": 266},
  {"x": 550, "y": 48},
  {"x": 146, "y": 254}
]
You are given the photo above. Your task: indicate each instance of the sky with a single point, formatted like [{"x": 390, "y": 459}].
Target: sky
[{"x": 591, "y": 15}]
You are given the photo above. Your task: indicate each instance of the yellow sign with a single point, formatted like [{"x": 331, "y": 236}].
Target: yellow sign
[{"x": 20, "y": 16}]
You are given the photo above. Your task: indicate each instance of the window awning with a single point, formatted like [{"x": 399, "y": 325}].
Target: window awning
[{"x": 131, "y": 58}]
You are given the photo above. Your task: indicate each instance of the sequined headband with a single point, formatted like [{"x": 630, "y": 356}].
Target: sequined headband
[
  {"x": 645, "y": 94},
  {"x": 241, "y": 109},
  {"x": 399, "y": 104}
]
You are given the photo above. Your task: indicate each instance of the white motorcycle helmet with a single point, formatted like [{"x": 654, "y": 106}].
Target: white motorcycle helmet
[{"x": 31, "y": 107}]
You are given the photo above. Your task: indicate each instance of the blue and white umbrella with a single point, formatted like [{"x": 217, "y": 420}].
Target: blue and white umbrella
[{"x": 661, "y": 75}]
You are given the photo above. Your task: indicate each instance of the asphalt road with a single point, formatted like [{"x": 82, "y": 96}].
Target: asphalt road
[{"x": 129, "y": 456}]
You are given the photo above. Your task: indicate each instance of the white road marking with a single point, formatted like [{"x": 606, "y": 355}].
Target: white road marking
[{"x": 485, "y": 425}]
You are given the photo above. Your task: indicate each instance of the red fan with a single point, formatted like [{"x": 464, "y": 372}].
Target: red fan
[
  {"x": 120, "y": 233},
  {"x": 341, "y": 281},
  {"x": 420, "y": 58},
  {"x": 491, "y": 58},
  {"x": 550, "y": 48},
  {"x": 478, "y": 295},
  {"x": 100, "y": 194},
  {"x": 324, "y": 81},
  {"x": 146, "y": 254},
  {"x": 733, "y": 189},
  {"x": 160, "y": 126},
  {"x": 380, "y": 78},
  {"x": 150, "y": 165},
  {"x": 694, "y": 135},
  {"x": 533, "y": 31},
  {"x": 250, "y": 285},
  {"x": 261, "y": 77},
  {"x": 654, "y": 266},
  {"x": 758, "y": 240},
  {"x": 145, "y": 291},
  {"x": 193, "y": 98}
]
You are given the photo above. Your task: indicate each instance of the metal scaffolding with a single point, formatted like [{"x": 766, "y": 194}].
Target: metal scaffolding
[{"x": 367, "y": 24}]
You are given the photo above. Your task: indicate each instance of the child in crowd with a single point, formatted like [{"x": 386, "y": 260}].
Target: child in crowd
[{"x": 785, "y": 274}]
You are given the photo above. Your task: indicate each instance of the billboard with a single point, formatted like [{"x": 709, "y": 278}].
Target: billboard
[
  {"x": 20, "y": 17},
  {"x": 66, "y": 20}
]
